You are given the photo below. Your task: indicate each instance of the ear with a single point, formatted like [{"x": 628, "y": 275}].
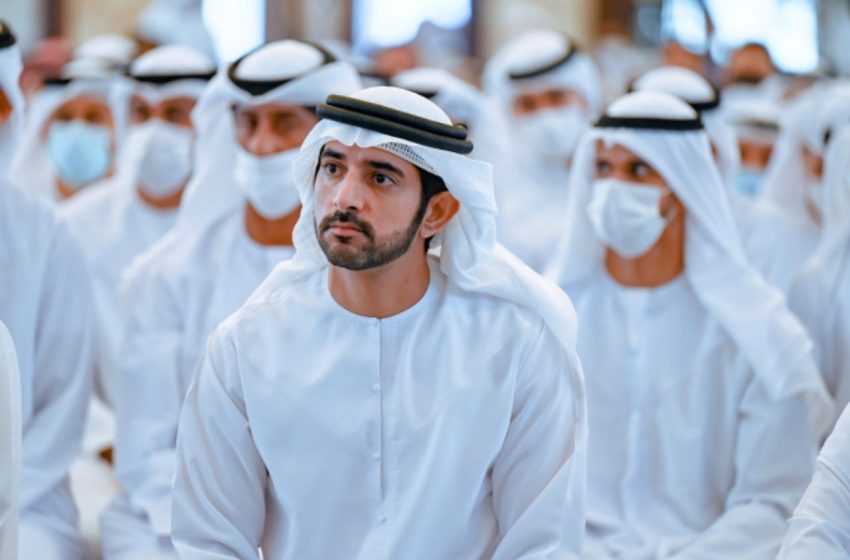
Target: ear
[
  {"x": 668, "y": 203},
  {"x": 441, "y": 209}
]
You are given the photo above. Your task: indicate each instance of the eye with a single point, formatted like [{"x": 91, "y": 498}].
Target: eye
[
  {"x": 174, "y": 114},
  {"x": 603, "y": 168},
  {"x": 383, "y": 180},
  {"x": 331, "y": 168},
  {"x": 64, "y": 116},
  {"x": 557, "y": 96},
  {"x": 640, "y": 169},
  {"x": 95, "y": 117}
]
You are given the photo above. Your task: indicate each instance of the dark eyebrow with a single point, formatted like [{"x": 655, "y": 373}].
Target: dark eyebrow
[
  {"x": 332, "y": 154},
  {"x": 384, "y": 166}
]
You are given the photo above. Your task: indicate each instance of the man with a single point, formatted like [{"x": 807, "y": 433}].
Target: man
[
  {"x": 10, "y": 445},
  {"x": 705, "y": 403},
  {"x": 749, "y": 64},
  {"x": 550, "y": 91},
  {"x": 73, "y": 131},
  {"x": 235, "y": 225},
  {"x": 351, "y": 408},
  {"x": 121, "y": 217},
  {"x": 820, "y": 527},
  {"x": 820, "y": 292},
  {"x": 46, "y": 305}
]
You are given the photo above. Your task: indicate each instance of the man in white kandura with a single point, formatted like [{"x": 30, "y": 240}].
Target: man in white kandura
[
  {"x": 235, "y": 225},
  {"x": 46, "y": 303},
  {"x": 705, "y": 401},
  {"x": 375, "y": 399},
  {"x": 10, "y": 444}
]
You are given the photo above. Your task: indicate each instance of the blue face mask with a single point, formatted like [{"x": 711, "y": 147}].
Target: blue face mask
[
  {"x": 81, "y": 152},
  {"x": 749, "y": 181}
]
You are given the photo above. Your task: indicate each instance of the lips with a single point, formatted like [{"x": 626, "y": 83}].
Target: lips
[{"x": 345, "y": 228}]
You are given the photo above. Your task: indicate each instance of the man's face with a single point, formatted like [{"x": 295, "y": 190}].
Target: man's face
[
  {"x": 530, "y": 102},
  {"x": 754, "y": 155},
  {"x": 618, "y": 162},
  {"x": 272, "y": 128},
  {"x": 368, "y": 206},
  {"x": 173, "y": 110},
  {"x": 749, "y": 64},
  {"x": 85, "y": 108}
]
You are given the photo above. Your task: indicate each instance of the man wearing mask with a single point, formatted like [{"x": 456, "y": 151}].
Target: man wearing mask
[
  {"x": 47, "y": 306},
  {"x": 235, "y": 225},
  {"x": 72, "y": 132},
  {"x": 705, "y": 401},
  {"x": 122, "y": 216},
  {"x": 404, "y": 387},
  {"x": 550, "y": 91}
]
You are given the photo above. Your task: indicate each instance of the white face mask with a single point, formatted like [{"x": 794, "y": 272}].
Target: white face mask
[
  {"x": 162, "y": 156},
  {"x": 626, "y": 216},
  {"x": 553, "y": 133},
  {"x": 81, "y": 152},
  {"x": 267, "y": 182}
]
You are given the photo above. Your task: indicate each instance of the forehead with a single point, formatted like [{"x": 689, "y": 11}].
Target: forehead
[
  {"x": 616, "y": 152},
  {"x": 272, "y": 108},
  {"x": 355, "y": 153},
  {"x": 84, "y": 101}
]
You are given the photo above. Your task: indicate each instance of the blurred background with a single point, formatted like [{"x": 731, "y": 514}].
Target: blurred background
[{"x": 803, "y": 37}]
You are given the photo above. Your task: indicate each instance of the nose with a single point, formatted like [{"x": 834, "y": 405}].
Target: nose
[
  {"x": 350, "y": 193},
  {"x": 265, "y": 140}
]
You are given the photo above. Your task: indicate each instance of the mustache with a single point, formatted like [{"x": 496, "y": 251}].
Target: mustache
[{"x": 349, "y": 218}]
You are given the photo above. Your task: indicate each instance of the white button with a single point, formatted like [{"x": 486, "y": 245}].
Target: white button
[
  {"x": 376, "y": 387},
  {"x": 376, "y": 456},
  {"x": 375, "y": 323}
]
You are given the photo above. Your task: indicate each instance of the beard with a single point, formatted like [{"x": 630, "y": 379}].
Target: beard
[{"x": 377, "y": 251}]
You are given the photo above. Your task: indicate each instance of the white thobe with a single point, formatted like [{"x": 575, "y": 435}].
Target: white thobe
[
  {"x": 175, "y": 296},
  {"x": 46, "y": 303},
  {"x": 820, "y": 528},
  {"x": 443, "y": 432},
  {"x": 820, "y": 297},
  {"x": 532, "y": 210},
  {"x": 687, "y": 455},
  {"x": 10, "y": 446}
]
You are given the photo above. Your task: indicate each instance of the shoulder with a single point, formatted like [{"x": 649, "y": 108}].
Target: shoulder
[{"x": 103, "y": 195}]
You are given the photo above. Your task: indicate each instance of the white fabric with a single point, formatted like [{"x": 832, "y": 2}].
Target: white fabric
[
  {"x": 170, "y": 60},
  {"x": 211, "y": 193},
  {"x": 689, "y": 454},
  {"x": 32, "y": 168},
  {"x": 174, "y": 295},
  {"x": 10, "y": 446},
  {"x": 771, "y": 338},
  {"x": 821, "y": 292},
  {"x": 113, "y": 47},
  {"x": 181, "y": 22},
  {"x": 820, "y": 527},
  {"x": 390, "y": 458},
  {"x": 532, "y": 198},
  {"x": 10, "y": 72},
  {"x": 474, "y": 282},
  {"x": 46, "y": 304}
]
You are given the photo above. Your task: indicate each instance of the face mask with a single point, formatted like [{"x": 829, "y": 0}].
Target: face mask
[
  {"x": 162, "y": 156},
  {"x": 267, "y": 182},
  {"x": 80, "y": 151},
  {"x": 626, "y": 216},
  {"x": 553, "y": 133},
  {"x": 748, "y": 181}
]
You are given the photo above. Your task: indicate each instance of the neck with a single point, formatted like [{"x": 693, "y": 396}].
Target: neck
[
  {"x": 270, "y": 232},
  {"x": 383, "y": 291},
  {"x": 168, "y": 202},
  {"x": 658, "y": 266},
  {"x": 64, "y": 189}
]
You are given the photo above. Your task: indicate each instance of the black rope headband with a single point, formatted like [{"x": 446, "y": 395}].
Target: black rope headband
[
  {"x": 698, "y": 106},
  {"x": 7, "y": 37},
  {"x": 386, "y": 120},
  {"x": 260, "y": 87},
  {"x": 162, "y": 79},
  {"x": 560, "y": 61},
  {"x": 649, "y": 123}
]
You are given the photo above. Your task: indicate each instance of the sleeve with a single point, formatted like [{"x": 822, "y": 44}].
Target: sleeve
[
  {"x": 820, "y": 527},
  {"x": 62, "y": 382},
  {"x": 149, "y": 395},
  {"x": 10, "y": 446},
  {"x": 539, "y": 476},
  {"x": 220, "y": 483},
  {"x": 805, "y": 301},
  {"x": 774, "y": 460}
]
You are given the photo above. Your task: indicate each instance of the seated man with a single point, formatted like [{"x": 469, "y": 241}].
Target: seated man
[
  {"x": 378, "y": 400},
  {"x": 705, "y": 402},
  {"x": 235, "y": 226}
]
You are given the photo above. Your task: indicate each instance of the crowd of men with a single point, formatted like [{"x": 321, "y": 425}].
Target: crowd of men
[{"x": 258, "y": 310}]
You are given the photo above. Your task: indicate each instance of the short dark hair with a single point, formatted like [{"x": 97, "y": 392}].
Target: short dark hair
[{"x": 431, "y": 185}]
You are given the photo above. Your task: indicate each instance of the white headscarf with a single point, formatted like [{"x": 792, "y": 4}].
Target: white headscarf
[
  {"x": 166, "y": 22},
  {"x": 31, "y": 167},
  {"x": 697, "y": 92},
  {"x": 10, "y": 72},
  {"x": 114, "y": 48},
  {"x": 536, "y": 49},
  {"x": 467, "y": 248},
  {"x": 307, "y": 79},
  {"x": 835, "y": 240},
  {"x": 10, "y": 445},
  {"x": 752, "y": 313}
]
